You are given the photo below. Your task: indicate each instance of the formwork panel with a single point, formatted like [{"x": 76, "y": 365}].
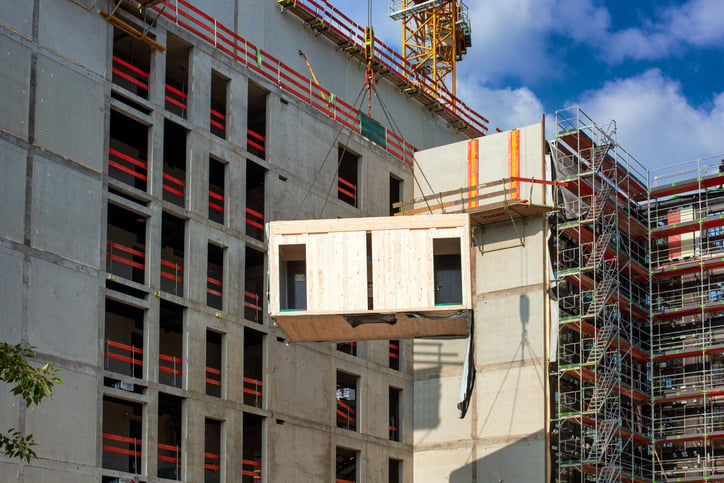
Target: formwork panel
[
  {"x": 19, "y": 15},
  {"x": 15, "y": 80},
  {"x": 321, "y": 288}
]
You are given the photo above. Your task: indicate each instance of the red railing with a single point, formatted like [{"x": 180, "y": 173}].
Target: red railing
[
  {"x": 217, "y": 284},
  {"x": 255, "y": 140},
  {"x": 394, "y": 351},
  {"x": 218, "y": 198},
  {"x": 251, "y": 300},
  {"x": 176, "y": 272},
  {"x": 213, "y": 376},
  {"x": 136, "y": 442},
  {"x": 253, "y": 469},
  {"x": 127, "y": 164},
  {"x": 176, "y": 97},
  {"x": 122, "y": 254},
  {"x": 212, "y": 461},
  {"x": 346, "y": 412},
  {"x": 255, "y": 219},
  {"x": 349, "y": 189},
  {"x": 248, "y": 54},
  {"x": 218, "y": 120},
  {"x": 132, "y": 351},
  {"x": 167, "y": 448},
  {"x": 178, "y": 185},
  {"x": 131, "y": 73},
  {"x": 252, "y": 386},
  {"x": 175, "y": 368}
]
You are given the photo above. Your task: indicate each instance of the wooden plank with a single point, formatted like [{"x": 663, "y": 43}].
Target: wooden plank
[{"x": 297, "y": 227}]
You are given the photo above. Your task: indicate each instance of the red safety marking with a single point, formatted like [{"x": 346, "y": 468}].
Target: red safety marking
[
  {"x": 217, "y": 124},
  {"x": 213, "y": 371},
  {"x": 127, "y": 170},
  {"x": 340, "y": 403},
  {"x": 122, "y": 439},
  {"x": 212, "y": 456},
  {"x": 345, "y": 192},
  {"x": 255, "y": 213},
  {"x": 216, "y": 195},
  {"x": 214, "y": 292},
  {"x": 339, "y": 480},
  {"x": 218, "y": 115},
  {"x": 169, "y": 447},
  {"x": 126, "y": 157},
  {"x": 175, "y": 102},
  {"x": 125, "y": 261},
  {"x": 252, "y": 392},
  {"x": 169, "y": 358},
  {"x": 216, "y": 207},
  {"x": 123, "y": 358},
  {"x": 119, "y": 345},
  {"x": 211, "y": 381},
  {"x": 257, "y": 146},
  {"x": 122, "y": 74},
  {"x": 175, "y": 91},
  {"x": 126, "y": 249},
  {"x": 255, "y": 134},
  {"x": 345, "y": 182},
  {"x": 170, "y": 459},
  {"x": 129, "y": 452},
  {"x": 175, "y": 266},
  {"x": 130, "y": 67},
  {"x": 169, "y": 370},
  {"x": 214, "y": 281}
]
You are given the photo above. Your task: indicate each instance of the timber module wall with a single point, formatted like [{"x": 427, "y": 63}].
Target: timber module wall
[
  {"x": 370, "y": 278},
  {"x": 601, "y": 424},
  {"x": 687, "y": 268}
]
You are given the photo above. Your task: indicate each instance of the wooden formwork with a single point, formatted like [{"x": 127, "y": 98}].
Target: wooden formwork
[{"x": 370, "y": 278}]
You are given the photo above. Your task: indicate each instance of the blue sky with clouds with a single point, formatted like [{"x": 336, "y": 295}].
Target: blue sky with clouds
[{"x": 656, "y": 67}]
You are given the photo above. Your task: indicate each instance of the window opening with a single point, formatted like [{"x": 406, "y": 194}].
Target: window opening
[
  {"x": 347, "y": 176},
  {"x": 174, "y": 163},
  {"x": 169, "y": 436},
  {"x": 213, "y": 363},
  {"x": 126, "y": 244},
  {"x": 347, "y": 397},
  {"x": 254, "y": 285},
  {"x": 346, "y": 465},
  {"x": 395, "y": 355},
  {"x": 348, "y": 348},
  {"x": 217, "y": 183},
  {"x": 252, "y": 450},
  {"x": 447, "y": 263},
  {"x": 212, "y": 451},
  {"x": 253, "y": 367},
  {"x": 255, "y": 176},
  {"x": 123, "y": 344},
  {"x": 177, "y": 71},
  {"x": 293, "y": 277},
  {"x": 170, "y": 344},
  {"x": 131, "y": 63},
  {"x": 128, "y": 151},
  {"x": 215, "y": 277},
  {"x": 219, "y": 85},
  {"x": 395, "y": 414},
  {"x": 396, "y": 185},
  {"x": 395, "y": 471},
  {"x": 172, "y": 254},
  {"x": 122, "y": 430},
  {"x": 256, "y": 121}
]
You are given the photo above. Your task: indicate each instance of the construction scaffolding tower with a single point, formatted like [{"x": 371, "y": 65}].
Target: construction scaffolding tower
[
  {"x": 435, "y": 35},
  {"x": 601, "y": 424}
]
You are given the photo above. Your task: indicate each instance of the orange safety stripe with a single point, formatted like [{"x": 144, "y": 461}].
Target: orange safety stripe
[
  {"x": 218, "y": 114},
  {"x": 119, "y": 345},
  {"x": 124, "y": 248},
  {"x": 473, "y": 170},
  {"x": 169, "y": 358},
  {"x": 122, "y": 439},
  {"x": 130, "y": 67},
  {"x": 175, "y": 91},
  {"x": 514, "y": 162},
  {"x": 126, "y": 157}
]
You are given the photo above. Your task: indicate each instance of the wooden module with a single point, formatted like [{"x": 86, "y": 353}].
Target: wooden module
[{"x": 370, "y": 278}]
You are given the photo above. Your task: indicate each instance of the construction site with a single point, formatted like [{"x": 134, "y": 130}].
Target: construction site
[{"x": 262, "y": 245}]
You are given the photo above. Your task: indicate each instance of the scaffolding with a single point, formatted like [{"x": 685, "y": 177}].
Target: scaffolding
[
  {"x": 600, "y": 425},
  {"x": 686, "y": 216}
]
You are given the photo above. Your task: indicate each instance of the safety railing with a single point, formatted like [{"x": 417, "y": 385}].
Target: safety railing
[
  {"x": 130, "y": 77},
  {"x": 173, "y": 188},
  {"x": 212, "y": 461},
  {"x": 217, "y": 123},
  {"x": 251, "y": 468},
  {"x": 225, "y": 40},
  {"x": 125, "y": 261},
  {"x": 255, "y": 143},
  {"x": 170, "y": 365},
  {"x": 687, "y": 296},
  {"x": 176, "y": 100},
  {"x": 128, "y": 169},
  {"x": 213, "y": 376},
  {"x": 173, "y": 272},
  {"x": 671, "y": 427},
  {"x": 347, "y": 191},
  {"x": 128, "y": 354},
  {"x": 214, "y": 287},
  {"x": 115, "y": 443},
  {"x": 692, "y": 381},
  {"x": 252, "y": 302},
  {"x": 395, "y": 350},
  {"x": 216, "y": 206},
  {"x": 169, "y": 453},
  {"x": 255, "y": 220},
  {"x": 252, "y": 389},
  {"x": 346, "y": 416}
]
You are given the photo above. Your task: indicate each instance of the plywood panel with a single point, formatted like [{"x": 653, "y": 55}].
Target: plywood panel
[
  {"x": 402, "y": 270},
  {"x": 337, "y": 272}
]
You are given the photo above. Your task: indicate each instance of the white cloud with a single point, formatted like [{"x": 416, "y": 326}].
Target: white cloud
[
  {"x": 505, "y": 108},
  {"x": 655, "y": 122}
]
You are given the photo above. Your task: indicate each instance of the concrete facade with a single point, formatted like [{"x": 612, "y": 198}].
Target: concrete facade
[{"x": 65, "y": 215}]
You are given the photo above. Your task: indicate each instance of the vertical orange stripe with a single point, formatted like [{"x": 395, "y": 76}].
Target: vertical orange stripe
[
  {"x": 514, "y": 162},
  {"x": 473, "y": 158}
]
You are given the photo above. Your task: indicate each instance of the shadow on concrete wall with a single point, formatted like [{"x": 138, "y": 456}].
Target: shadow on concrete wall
[
  {"x": 430, "y": 355},
  {"x": 520, "y": 462}
]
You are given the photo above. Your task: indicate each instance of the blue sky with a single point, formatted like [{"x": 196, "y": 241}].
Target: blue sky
[{"x": 655, "y": 67}]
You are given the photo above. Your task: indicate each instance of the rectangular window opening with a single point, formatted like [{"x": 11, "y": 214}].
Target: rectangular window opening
[
  {"x": 170, "y": 344},
  {"x": 395, "y": 346},
  {"x": 213, "y": 363},
  {"x": 169, "y": 436},
  {"x": 395, "y": 194},
  {"x": 253, "y": 367},
  {"x": 215, "y": 277},
  {"x": 347, "y": 397},
  {"x": 217, "y": 190},
  {"x": 126, "y": 244},
  {"x": 123, "y": 343},
  {"x": 370, "y": 279},
  {"x": 447, "y": 263},
  {"x": 131, "y": 63},
  {"x": 213, "y": 457},
  {"x": 395, "y": 414},
  {"x": 254, "y": 285},
  {"x": 346, "y": 465},
  {"x": 128, "y": 151},
  {"x": 348, "y": 348},
  {"x": 293, "y": 277},
  {"x": 174, "y": 163},
  {"x": 177, "y": 75},
  {"x": 348, "y": 176},
  {"x": 252, "y": 450},
  {"x": 173, "y": 234},
  {"x": 219, "y": 85},
  {"x": 255, "y": 177},
  {"x": 122, "y": 433},
  {"x": 256, "y": 120},
  {"x": 395, "y": 471}
]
